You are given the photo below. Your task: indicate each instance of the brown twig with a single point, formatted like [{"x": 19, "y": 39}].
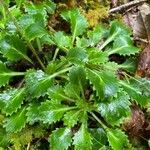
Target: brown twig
[{"x": 126, "y": 6}]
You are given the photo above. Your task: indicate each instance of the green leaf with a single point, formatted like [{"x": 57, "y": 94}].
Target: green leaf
[
  {"x": 50, "y": 6},
  {"x": 60, "y": 138},
  {"x": 77, "y": 21},
  {"x": 129, "y": 65},
  {"x": 82, "y": 42},
  {"x": 105, "y": 148},
  {"x": 4, "y": 74},
  {"x": 123, "y": 45},
  {"x": 111, "y": 65},
  {"x": 119, "y": 28},
  {"x": 4, "y": 138},
  {"x": 19, "y": 2},
  {"x": 138, "y": 90},
  {"x": 25, "y": 20},
  {"x": 32, "y": 113},
  {"x": 117, "y": 139},
  {"x": 13, "y": 100},
  {"x": 77, "y": 76},
  {"x": 105, "y": 83},
  {"x": 116, "y": 110},
  {"x": 61, "y": 40},
  {"x": 96, "y": 35},
  {"x": 33, "y": 9},
  {"x": 116, "y": 29},
  {"x": 37, "y": 83},
  {"x": 46, "y": 39},
  {"x": 52, "y": 111},
  {"x": 72, "y": 91},
  {"x": 77, "y": 56},
  {"x": 71, "y": 118},
  {"x": 12, "y": 29},
  {"x": 82, "y": 139},
  {"x": 16, "y": 122},
  {"x": 35, "y": 31},
  {"x": 13, "y": 48},
  {"x": 56, "y": 93},
  {"x": 97, "y": 57},
  {"x": 99, "y": 138}
]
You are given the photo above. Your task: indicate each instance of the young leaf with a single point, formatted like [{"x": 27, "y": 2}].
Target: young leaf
[
  {"x": 72, "y": 91},
  {"x": 77, "y": 76},
  {"x": 105, "y": 83},
  {"x": 52, "y": 111},
  {"x": 37, "y": 83},
  {"x": 82, "y": 139},
  {"x": 116, "y": 29},
  {"x": 61, "y": 40},
  {"x": 96, "y": 35},
  {"x": 117, "y": 139},
  {"x": 60, "y": 138},
  {"x": 56, "y": 93},
  {"x": 71, "y": 118},
  {"x": 123, "y": 45},
  {"x": 115, "y": 110},
  {"x": 82, "y": 42},
  {"x": 13, "y": 48},
  {"x": 77, "y": 56},
  {"x": 16, "y": 122},
  {"x": 97, "y": 57},
  {"x": 13, "y": 100},
  {"x": 77, "y": 21}
]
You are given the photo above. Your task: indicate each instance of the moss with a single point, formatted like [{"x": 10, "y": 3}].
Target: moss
[{"x": 95, "y": 16}]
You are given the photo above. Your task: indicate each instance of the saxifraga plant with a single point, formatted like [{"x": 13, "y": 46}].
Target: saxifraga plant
[{"x": 74, "y": 96}]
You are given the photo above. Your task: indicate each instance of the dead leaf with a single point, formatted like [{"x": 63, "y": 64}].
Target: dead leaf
[
  {"x": 134, "y": 126},
  {"x": 141, "y": 27},
  {"x": 143, "y": 69}
]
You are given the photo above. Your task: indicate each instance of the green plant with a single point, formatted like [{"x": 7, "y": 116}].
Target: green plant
[{"x": 74, "y": 95}]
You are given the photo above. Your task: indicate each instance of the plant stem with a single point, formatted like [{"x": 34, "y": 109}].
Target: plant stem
[
  {"x": 13, "y": 74},
  {"x": 59, "y": 72},
  {"x": 108, "y": 41},
  {"x": 98, "y": 120},
  {"x": 35, "y": 54},
  {"x": 39, "y": 44},
  {"x": 55, "y": 54}
]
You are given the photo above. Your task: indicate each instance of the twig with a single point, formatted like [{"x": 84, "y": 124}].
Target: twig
[
  {"x": 141, "y": 40},
  {"x": 125, "y": 6},
  {"x": 28, "y": 146}
]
